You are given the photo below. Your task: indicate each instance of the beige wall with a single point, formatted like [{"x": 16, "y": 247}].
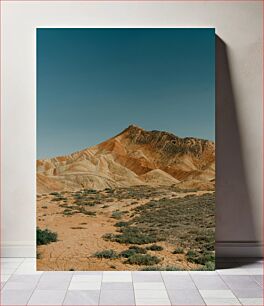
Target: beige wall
[{"x": 239, "y": 106}]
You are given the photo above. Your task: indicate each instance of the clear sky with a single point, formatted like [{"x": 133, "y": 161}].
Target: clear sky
[{"x": 93, "y": 83}]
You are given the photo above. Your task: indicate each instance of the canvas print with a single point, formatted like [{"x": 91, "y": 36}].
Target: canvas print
[{"x": 125, "y": 149}]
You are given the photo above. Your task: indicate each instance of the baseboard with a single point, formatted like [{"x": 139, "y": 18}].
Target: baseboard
[
  {"x": 239, "y": 249},
  {"x": 223, "y": 249},
  {"x": 18, "y": 249}
]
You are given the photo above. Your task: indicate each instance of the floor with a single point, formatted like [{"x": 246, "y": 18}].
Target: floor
[{"x": 238, "y": 282}]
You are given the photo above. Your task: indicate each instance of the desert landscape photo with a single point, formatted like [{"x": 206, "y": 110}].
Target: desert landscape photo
[
  {"x": 140, "y": 200},
  {"x": 125, "y": 169}
]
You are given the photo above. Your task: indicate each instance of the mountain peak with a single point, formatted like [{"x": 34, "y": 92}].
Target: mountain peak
[
  {"x": 124, "y": 159},
  {"x": 132, "y": 128}
]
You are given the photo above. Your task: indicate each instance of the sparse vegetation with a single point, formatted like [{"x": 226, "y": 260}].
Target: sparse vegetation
[
  {"x": 89, "y": 191},
  {"x": 109, "y": 190},
  {"x": 85, "y": 203},
  {"x": 154, "y": 247},
  {"x": 132, "y": 251},
  {"x": 207, "y": 259},
  {"x": 138, "y": 249},
  {"x": 57, "y": 194},
  {"x": 71, "y": 210},
  {"x": 117, "y": 214},
  {"x": 121, "y": 224},
  {"x": 108, "y": 236},
  {"x": 178, "y": 250},
  {"x": 45, "y": 236},
  {"x": 58, "y": 199},
  {"x": 133, "y": 235},
  {"x": 140, "y": 259},
  {"x": 209, "y": 266},
  {"x": 67, "y": 212},
  {"x": 187, "y": 223},
  {"x": 107, "y": 254}
]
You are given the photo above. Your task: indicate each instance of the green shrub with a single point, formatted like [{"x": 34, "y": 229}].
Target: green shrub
[
  {"x": 133, "y": 235},
  {"x": 154, "y": 247},
  {"x": 192, "y": 256},
  {"x": 139, "y": 259},
  {"x": 106, "y": 254},
  {"x": 207, "y": 257},
  {"x": 91, "y": 204},
  {"x": 178, "y": 250},
  {"x": 209, "y": 266},
  {"x": 77, "y": 196},
  {"x": 57, "y": 194},
  {"x": 58, "y": 199},
  {"x": 138, "y": 249},
  {"x": 128, "y": 253},
  {"x": 122, "y": 223},
  {"x": 208, "y": 247},
  {"x": 132, "y": 251},
  {"x": 45, "y": 236},
  {"x": 108, "y": 236},
  {"x": 200, "y": 258},
  {"x": 117, "y": 214},
  {"x": 67, "y": 212},
  {"x": 84, "y": 203},
  {"x": 89, "y": 191}
]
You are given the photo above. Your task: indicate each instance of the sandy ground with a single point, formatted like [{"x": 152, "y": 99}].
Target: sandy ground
[{"x": 80, "y": 236}]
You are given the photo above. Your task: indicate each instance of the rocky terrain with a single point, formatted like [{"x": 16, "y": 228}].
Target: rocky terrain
[
  {"x": 142, "y": 200},
  {"x": 133, "y": 157}
]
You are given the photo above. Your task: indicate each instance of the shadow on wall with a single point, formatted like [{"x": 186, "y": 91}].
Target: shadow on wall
[{"x": 234, "y": 215}]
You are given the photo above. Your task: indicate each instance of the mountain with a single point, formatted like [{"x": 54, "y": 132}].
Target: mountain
[{"x": 133, "y": 157}]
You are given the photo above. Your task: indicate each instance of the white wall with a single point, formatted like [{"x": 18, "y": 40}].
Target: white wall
[{"x": 239, "y": 106}]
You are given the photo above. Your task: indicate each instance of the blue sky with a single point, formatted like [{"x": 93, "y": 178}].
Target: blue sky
[{"x": 93, "y": 83}]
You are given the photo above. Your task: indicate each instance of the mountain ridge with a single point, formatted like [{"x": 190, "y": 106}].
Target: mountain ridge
[{"x": 125, "y": 159}]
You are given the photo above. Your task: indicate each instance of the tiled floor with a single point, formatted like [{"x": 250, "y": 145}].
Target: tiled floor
[{"x": 239, "y": 283}]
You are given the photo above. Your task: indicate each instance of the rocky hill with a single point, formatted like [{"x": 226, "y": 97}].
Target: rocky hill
[{"x": 133, "y": 157}]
